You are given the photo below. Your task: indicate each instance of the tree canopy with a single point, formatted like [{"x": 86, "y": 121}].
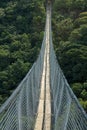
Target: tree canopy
[
  {"x": 70, "y": 43},
  {"x": 21, "y": 34}
]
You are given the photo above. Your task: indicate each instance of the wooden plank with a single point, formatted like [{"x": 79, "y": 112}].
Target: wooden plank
[
  {"x": 47, "y": 121},
  {"x": 40, "y": 112},
  {"x": 45, "y": 102}
]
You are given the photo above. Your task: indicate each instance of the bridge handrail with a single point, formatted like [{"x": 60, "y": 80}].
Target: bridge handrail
[{"x": 16, "y": 91}]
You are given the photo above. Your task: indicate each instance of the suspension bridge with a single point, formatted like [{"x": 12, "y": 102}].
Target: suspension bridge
[{"x": 44, "y": 99}]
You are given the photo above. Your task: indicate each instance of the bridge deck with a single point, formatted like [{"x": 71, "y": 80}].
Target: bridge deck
[{"x": 43, "y": 120}]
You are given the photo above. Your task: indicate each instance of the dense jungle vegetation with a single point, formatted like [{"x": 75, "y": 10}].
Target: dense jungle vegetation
[
  {"x": 70, "y": 42},
  {"x": 21, "y": 32}
]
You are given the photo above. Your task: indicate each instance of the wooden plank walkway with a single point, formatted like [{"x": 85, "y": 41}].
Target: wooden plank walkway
[{"x": 43, "y": 121}]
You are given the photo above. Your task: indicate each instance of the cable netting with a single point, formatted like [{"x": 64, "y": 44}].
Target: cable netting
[
  {"x": 20, "y": 110},
  {"x": 68, "y": 114}
]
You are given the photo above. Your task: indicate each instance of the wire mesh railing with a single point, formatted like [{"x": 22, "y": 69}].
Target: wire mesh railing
[
  {"x": 19, "y": 111},
  {"x": 68, "y": 114}
]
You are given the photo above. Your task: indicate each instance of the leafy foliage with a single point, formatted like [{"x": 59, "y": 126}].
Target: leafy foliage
[
  {"x": 70, "y": 43},
  {"x": 21, "y": 34}
]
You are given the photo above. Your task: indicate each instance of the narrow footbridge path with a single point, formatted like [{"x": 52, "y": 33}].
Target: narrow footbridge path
[
  {"x": 43, "y": 120},
  {"x": 43, "y": 100}
]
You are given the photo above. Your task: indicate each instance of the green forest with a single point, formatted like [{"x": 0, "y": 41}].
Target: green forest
[{"x": 22, "y": 25}]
